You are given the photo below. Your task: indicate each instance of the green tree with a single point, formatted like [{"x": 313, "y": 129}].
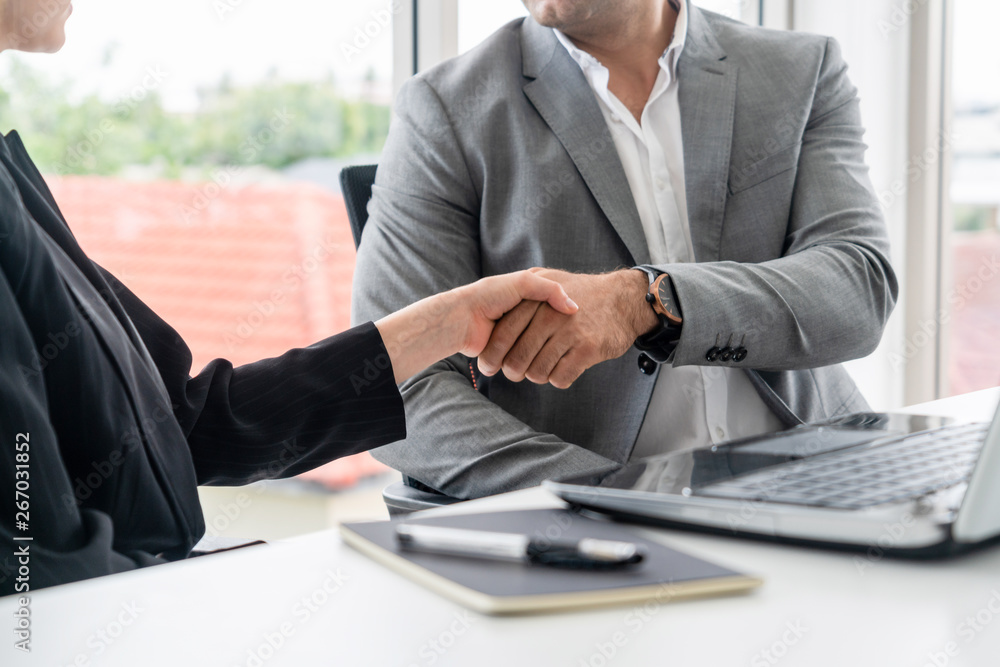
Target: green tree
[{"x": 272, "y": 123}]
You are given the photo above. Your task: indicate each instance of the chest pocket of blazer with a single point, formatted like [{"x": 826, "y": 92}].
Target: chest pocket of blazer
[{"x": 751, "y": 172}]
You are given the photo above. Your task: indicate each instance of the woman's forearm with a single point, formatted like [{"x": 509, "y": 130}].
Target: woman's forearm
[{"x": 421, "y": 334}]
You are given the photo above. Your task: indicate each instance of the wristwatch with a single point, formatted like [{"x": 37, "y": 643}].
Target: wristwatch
[{"x": 660, "y": 343}]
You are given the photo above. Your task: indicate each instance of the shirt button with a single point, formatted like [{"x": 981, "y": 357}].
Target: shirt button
[
  {"x": 720, "y": 432},
  {"x": 660, "y": 184}
]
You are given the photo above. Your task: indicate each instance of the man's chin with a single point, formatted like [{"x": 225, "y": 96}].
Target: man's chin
[{"x": 50, "y": 46}]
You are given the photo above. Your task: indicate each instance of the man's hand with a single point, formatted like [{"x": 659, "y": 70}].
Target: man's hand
[
  {"x": 534, "y": 341},
  {"x": 462, "y": 319},
  {"x": 486, "y": 301}
]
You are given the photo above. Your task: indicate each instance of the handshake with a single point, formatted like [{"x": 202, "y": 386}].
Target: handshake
[{"x": 543, "y": 325}]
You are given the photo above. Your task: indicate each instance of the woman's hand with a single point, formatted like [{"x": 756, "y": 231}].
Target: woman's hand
[
  {"x": 489, "y": 299},
  {"x": 461, "y": 320}
]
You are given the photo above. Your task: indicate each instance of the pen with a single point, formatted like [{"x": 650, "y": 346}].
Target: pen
[{"x": 588, "y": 553}]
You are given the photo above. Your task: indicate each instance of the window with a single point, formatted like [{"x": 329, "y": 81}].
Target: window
[
  {"x": 973, "y": 295},
  {"x": 195, "y": 152},
  {"x": 194, "y": 148},
  {"x": 747, "y": 11},
  {"x": 478, "y": 20}
]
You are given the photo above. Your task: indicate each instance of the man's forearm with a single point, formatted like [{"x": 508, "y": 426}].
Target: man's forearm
[{"x": 466, "y": 446}]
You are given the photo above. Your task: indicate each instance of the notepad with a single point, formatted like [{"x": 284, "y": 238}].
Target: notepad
[{"x": 494, "y": 587}]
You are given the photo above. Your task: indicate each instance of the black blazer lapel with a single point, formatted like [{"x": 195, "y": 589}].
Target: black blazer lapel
[{"x": 41, "y": 204}]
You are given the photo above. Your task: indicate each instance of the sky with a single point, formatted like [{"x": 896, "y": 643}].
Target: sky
[
  {"x": 976, "y": 75},
  {"x": 197, "y": 42}
]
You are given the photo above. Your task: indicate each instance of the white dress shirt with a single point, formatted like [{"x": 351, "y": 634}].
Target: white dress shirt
[{"x": 691, "y": 406}]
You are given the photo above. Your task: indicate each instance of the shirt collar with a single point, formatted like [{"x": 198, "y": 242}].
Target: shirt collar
[{"x": 591, "y": 66}]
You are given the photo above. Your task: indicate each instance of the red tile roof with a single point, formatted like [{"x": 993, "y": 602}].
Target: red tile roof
[
  {"x": 246, "y": 273},
  {"x": 975, "y": 316},
  {"x": 243, "y": 273}
]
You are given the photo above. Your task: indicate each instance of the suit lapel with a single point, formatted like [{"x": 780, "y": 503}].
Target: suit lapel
[
  {"x": 707, "y": 93},
  {"x": 39, "y": 201},
  {"x": 41, "y": 204},
  {"x": 561, "y": 95}
]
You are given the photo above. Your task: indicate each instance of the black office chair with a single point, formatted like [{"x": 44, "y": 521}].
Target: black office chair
[
  {"x": 400, "y": 497},
  {"x": 356, "y": 185}
]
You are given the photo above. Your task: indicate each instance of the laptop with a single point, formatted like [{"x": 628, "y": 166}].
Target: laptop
[{"x": 884, "y": 483}]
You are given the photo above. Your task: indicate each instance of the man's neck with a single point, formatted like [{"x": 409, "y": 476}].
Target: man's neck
[{"x": 631, "y": 51}]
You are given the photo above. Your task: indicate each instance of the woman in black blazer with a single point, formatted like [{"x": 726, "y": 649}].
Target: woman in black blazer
[{"x": 104, "y": 435}]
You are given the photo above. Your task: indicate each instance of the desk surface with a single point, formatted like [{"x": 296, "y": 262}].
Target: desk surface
[{"x": 314, "y": 601}]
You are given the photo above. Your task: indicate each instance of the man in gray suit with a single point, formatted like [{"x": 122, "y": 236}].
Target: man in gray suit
[{"x": 601, "y": 135}]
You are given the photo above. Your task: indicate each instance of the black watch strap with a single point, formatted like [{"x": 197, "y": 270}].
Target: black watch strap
[{"x": 659, "y": 344}]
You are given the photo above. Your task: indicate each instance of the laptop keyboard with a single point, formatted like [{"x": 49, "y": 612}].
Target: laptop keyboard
[{"x": 907, "y": 468}]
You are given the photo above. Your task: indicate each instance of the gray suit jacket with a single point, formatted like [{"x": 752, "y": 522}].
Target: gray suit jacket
[{"x": 500, "y": 160}]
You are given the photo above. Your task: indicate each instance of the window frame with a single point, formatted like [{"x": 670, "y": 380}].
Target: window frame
[{"x": 928, "y": 233}]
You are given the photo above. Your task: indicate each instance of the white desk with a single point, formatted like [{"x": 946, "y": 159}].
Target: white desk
[{"x": 215, "y": 610}]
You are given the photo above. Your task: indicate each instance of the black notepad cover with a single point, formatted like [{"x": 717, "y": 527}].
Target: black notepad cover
[{"x": 664, "y": 573}]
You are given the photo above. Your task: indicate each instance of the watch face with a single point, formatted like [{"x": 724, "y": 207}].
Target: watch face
[{"x": 666, "y": 295}]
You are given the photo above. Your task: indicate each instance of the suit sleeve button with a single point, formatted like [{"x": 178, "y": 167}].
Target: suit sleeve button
[
  {"x": 646, "y": 365},
  {"x": 726, "y": 354},
  {"x": 740, "y": 354},
  {"x": 713, "y": 354}
]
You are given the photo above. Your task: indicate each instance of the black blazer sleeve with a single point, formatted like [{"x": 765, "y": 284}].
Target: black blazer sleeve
[{"x": 276, "y": 417}]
